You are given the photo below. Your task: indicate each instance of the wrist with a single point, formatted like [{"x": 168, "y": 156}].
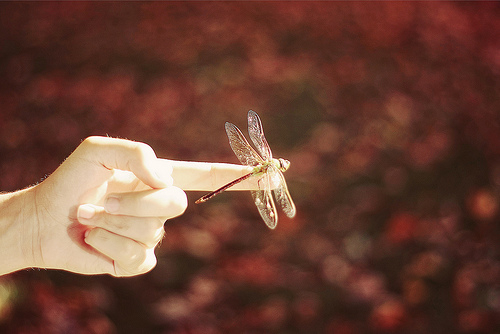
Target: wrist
[{"x": 17, "y": 227}]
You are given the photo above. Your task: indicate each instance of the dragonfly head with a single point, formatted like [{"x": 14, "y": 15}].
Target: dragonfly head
[{"x": 282, "y": 164}]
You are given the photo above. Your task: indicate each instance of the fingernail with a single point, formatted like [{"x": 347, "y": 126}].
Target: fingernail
[
  {"x": 112, "y": 205},
  {"x": 86, "y": 235},
  {"x": 86, "y": 212}
]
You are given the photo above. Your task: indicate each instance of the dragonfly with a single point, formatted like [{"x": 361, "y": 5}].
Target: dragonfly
[{"x": 267, "y": 169}]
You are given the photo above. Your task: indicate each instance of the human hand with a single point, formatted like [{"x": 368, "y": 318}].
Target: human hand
[{"x": 103, "y": 209}]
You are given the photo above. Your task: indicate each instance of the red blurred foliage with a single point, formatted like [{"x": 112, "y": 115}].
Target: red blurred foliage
[
  {"x": 387, "y": 111},
  {"x": 250, "y": 269},
  {"x": 401, "y": 228},
  {"x": 389, "y": 317},
  {"x": 483, "y": 205}
]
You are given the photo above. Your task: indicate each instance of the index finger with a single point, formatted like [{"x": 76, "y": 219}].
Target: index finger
[
  {"x": 127, "y": 155},
  {"x": 207, "y": 176}
]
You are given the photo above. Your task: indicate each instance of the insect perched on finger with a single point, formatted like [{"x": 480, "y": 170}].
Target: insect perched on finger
[{"x": 267, "y": 169}]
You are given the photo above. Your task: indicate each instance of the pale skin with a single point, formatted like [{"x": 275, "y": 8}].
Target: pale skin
[{"x": 103, "y": 210}]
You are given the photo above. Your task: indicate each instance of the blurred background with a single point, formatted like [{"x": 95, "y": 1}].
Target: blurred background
[{"x": 388, "y": 112}]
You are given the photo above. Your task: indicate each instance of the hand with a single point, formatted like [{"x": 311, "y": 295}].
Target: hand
[{"x": 103, "y": 209}]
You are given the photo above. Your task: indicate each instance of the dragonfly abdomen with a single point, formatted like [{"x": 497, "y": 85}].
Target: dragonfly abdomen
[{"x": 223, "y": 188}]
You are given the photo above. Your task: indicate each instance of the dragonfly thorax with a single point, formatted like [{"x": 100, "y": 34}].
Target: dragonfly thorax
[{"x": 281, "y": 164}]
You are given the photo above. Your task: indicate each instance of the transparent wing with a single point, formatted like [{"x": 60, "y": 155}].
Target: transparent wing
[
  {"x": 245, "y": 153},
  {"x": 256, "y": 133},
  {"x": 283, "y": 195},
  {"x": 264, "y": 202}
]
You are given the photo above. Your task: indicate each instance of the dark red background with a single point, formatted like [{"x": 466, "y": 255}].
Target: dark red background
[{"x": 388, "y": 112}]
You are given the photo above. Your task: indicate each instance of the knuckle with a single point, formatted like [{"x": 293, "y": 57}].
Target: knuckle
[
  {"x": 149, "y": 235},
  {"x": 150, "y": 261},
  {"x": 153, "y": 232},
  {"x": 99, "y": 234},
  {"x": 160, "y": 222},
  {"x": 92, "y": 140},
  {"x": 140, "y": 265},
  {"x": 153, "y": 224},
  {"x": 174, "y": 201},
  {"x": 179, "y": 200},
  {"x": 155, "y": 238},
  {"x": 116, "y": 223},
  {"x": 143, "y": 149},
  {"x": 133, "y": 255}
]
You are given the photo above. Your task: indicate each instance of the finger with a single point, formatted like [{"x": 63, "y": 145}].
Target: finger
[
  {"x": 138, "y": 158},
  {"x": 167, "y": 202},
  {"x": 204, "y": 176},
  {"x": 146, "y": 230},
  {"x": 130, "y": 258}
]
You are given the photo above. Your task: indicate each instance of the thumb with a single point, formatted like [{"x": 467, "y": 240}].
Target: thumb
[{"x": 127, "y": 155}]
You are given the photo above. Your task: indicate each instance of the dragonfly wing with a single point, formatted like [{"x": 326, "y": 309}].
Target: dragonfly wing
[
  {"x": 283, "y": 195},
  {"x": 267, "y": 209},
  {"x": 245, "y": 153},
  {"x": 256, "y": 133}
]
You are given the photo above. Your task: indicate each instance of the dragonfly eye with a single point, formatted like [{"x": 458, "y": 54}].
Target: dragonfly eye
[{"x": 284, "y": 164}]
